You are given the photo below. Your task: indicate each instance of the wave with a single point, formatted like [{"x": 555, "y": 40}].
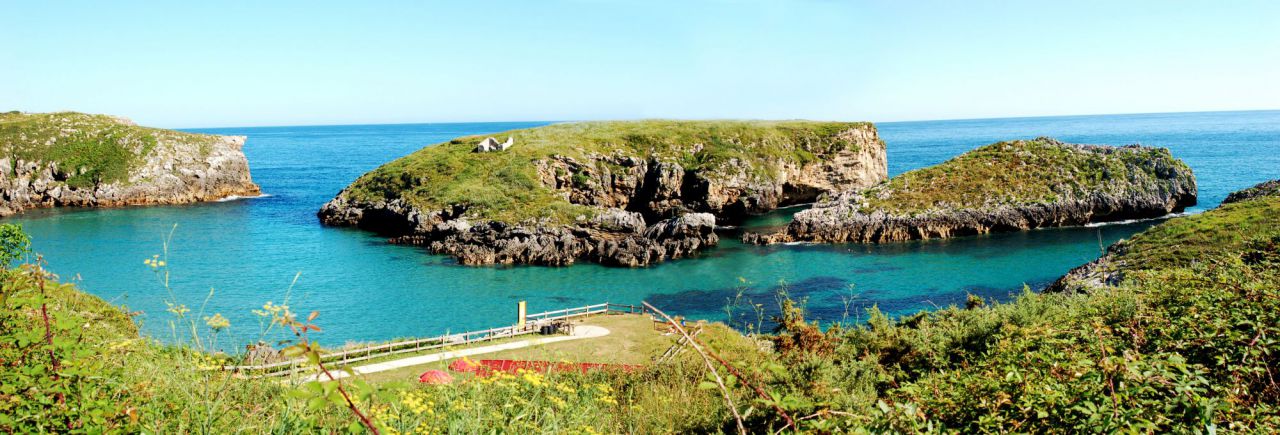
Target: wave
[
  {"x": 238, "y": 197},
  {"x": 1133, "y": 221}
]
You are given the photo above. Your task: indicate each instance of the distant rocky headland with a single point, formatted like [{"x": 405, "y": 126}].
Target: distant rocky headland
[
  {"x": 1005, "y": 186},
  {"x": 617, "y": 193},
  {"x": 82, "y": 160}
]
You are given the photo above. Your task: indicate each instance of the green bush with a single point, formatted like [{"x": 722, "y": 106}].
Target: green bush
[{"x": 14, "y": 244}]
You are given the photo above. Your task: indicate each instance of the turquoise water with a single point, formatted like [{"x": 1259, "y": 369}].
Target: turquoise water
[{"x": 249, "y": 250}]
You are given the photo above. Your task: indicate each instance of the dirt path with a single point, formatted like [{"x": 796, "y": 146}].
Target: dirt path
[{"x": 579, "y": 332}]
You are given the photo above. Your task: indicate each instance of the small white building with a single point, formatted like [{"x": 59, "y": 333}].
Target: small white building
[{"x": 492, "y": 145}]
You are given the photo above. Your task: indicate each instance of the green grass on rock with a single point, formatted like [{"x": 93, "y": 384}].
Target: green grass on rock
[
  {"x": 88, "y": 149},
  {"x": 505, "y": 186},
  {"x": 1016, "y": 173}
]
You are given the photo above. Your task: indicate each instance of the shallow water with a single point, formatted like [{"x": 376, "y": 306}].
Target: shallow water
[{"x": 249, "y": 250}]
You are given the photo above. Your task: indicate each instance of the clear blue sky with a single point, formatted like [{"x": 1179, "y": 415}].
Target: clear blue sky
[{"x": 204, "y": 64}]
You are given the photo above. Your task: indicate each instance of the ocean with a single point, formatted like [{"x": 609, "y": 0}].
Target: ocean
[{"x": 248, "y": 252}]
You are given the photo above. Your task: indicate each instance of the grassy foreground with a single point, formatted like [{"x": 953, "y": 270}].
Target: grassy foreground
[
  {"x": 1185, "y": 344},
  {"x": 88, "y": 149},
  {"x": 505, "y": 186}
]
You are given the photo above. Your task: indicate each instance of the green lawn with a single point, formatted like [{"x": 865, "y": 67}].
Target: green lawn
[{"x": 631, "y": 340}]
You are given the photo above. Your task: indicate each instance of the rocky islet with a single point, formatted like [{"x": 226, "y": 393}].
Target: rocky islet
[
  {"x": 1006, "y": 186},
  {"x": 82, "y": 160},
  {"x": 640, "y": 192}
]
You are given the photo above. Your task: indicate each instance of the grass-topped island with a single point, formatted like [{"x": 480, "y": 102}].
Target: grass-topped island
[
  {"x": 78, "y": 159},
  {"x": 618, "y": 193},
  {"x": 1005, "y": 186}
]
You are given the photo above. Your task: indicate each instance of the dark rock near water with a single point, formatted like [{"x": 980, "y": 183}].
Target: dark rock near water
[
  {"x": 1266, "y": 188},
  {"x": 1107, "y": 270},
  {"x": 616, "y": 238},
  {"x": 645, "y": 209}
]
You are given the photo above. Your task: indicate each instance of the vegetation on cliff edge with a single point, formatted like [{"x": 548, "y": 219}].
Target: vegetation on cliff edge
[
  {"x": 1251, "y": 225},
  {"x": 1022, "y": 172},
  {"x": 88, "y": 149},
  {"x": 505, "y": 186}
]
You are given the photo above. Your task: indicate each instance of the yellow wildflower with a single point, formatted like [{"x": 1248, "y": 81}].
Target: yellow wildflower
[
  {"x": 179, "y": 309},
  {"x": 122, "y": 344},
  {"x": 217, "y": 322}
]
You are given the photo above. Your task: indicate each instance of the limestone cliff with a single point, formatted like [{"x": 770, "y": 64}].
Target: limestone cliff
[
  {"x": 1005, "y": 186},
  {"x": 75, "y": 159},
  {"x": 617, "y": 193}
]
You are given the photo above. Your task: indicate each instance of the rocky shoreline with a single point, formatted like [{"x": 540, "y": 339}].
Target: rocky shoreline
[
  {"x": 1150, "y": 184},
  {"x": 634, "y": 210},
  {"x": 1109, "y": 269},
  {"x": 615, "y": 238},
  {"x": 1266, "y": 188},
  {"x": 169, "y": 167}
]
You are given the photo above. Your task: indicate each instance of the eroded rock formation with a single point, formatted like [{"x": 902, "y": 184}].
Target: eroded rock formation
[
  {"x": 72, "y": 159},
  {"x": 643, "y": 207},
  {"x": 1002, "y": 187}
]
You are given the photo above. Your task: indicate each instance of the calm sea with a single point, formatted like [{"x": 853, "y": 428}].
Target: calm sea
[{"x": 249, "y": 251}]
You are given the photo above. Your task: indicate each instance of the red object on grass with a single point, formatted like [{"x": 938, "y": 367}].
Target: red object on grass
[
  {"x": 464, "y": 365},
  {"x": 513, "y": 366},
  {"x": 435, "y": 377}
]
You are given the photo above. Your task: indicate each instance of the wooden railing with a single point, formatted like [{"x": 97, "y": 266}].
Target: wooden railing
[
  {"x": 679, "y": 345},
  {"x": 532, "y": 323}
]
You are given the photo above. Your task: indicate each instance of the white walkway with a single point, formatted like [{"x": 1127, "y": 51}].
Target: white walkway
[{"x": 579, "y": 332}]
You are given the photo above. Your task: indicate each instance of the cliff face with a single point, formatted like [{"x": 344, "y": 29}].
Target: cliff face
[
  {"x": 1007, "y": 186},
  {"x": 1245, "y": 222},
  {"x": 618, "y": 193},
  {"x": 661, "y": 189},
  {"x": 73, "y": 159}
]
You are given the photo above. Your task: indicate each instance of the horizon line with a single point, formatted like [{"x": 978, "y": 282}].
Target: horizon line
[{"x": 744, "y": 119}]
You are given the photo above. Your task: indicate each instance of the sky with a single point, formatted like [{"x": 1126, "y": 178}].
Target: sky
[{"x": 221, "y": 64}]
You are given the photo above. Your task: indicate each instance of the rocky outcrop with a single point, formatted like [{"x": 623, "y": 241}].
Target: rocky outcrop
[
  {"x": 1266, "y": 188},
  {"x": 1002, "y": 187},
  {"x": 638, "y": 208},
  {"x": 1107, "y": 270},
  {"x": 661, "y": 189},
  {"x": 48, "y": 164},
  {"x": 615, "y": 238}
]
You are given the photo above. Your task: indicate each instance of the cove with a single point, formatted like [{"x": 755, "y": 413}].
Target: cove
[{"x": 249, "y": 251}]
